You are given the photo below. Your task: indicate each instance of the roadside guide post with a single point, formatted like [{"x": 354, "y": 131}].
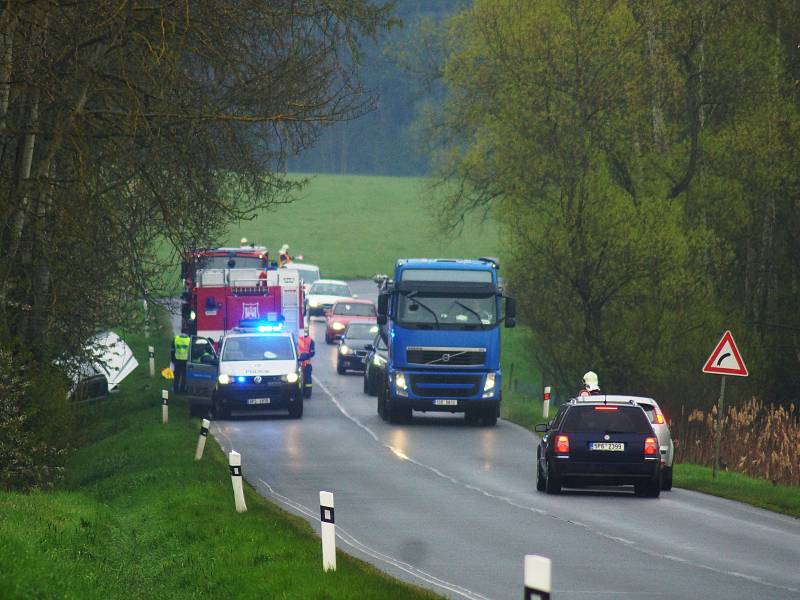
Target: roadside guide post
[
  {"x": 546, "y": 403},
  {"x": 201, "y": 439},
  {"x": 328, "y": 531},
  {"x": 151, "y": 352},
  {"x": 537, "y": 577},
  {"x": 235, "y": 464},
  {"x": 724, "y": 360},
  {"x": 146, "y": 323},
  {"x": 164, "y": 406}
]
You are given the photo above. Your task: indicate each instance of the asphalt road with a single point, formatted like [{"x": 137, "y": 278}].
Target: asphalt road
[{"x": 454, "y": 508}]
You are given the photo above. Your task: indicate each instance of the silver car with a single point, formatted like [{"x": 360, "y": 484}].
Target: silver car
[{"x": 660, "y": 427}]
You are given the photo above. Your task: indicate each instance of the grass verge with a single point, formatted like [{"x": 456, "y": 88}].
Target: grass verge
[
  {"x": 522, "y": 380},
  {"x": 735, "y": 486},
  {"x": 138, "y": 517}
]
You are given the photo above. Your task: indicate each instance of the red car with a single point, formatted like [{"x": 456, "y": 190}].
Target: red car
[{"x": 344, "y": 312}]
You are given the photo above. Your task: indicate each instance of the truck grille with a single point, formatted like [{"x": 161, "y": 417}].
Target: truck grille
[
  {"x": 445, "y": 386},
  {"x": 451, "y": 357}
]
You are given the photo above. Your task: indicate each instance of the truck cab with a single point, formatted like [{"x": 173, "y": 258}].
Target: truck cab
[{"x": 440, "y": 319}]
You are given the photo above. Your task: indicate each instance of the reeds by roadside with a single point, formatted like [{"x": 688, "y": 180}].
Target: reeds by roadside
[{"x": 758, "y": 439}]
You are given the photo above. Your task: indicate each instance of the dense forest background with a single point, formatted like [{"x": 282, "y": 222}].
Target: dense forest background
[{"x": 385, "y": 141}]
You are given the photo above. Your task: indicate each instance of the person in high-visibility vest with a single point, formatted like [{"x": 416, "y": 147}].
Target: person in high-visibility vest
[
  {"x": 305, "y": 343},
  {"x": 180, "y": 356}
]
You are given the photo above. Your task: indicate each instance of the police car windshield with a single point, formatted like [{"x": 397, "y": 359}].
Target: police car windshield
[
  {"x": 616, "y": 419},
  {"x": 330, "y": 289},
  {"x": 221, "y": 262},
  {"x": 361, "y": 331},
  {"x": 257, "y": 348},
  {"x": 446, "y": 311},
  {"x": 354, "y": 310}
]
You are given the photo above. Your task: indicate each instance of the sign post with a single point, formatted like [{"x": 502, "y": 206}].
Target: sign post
[{"x": 724, "y": 360}]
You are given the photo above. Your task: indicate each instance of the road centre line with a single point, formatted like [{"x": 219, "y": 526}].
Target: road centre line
[{"x": 539, "y": 511}]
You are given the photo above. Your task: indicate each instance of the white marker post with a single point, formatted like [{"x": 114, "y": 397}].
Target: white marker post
[
  {"x": 152, "y": 356},
  {"x": 537, "y": 577},
  {"x": 546, "y": 403},
  {"x": 201, "y": 439},
  {"x": 235, "y": 464},
  {"x": 146, "y": 319},
  {"x": 328, "y": 531},
  {"x": 164, "y": 406}
]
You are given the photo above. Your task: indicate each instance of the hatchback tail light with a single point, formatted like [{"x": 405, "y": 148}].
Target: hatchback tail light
[
  {"x": 650, "y": 446},
  {"x": 562, "y": 444}
]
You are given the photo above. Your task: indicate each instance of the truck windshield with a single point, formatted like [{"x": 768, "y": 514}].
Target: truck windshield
[
  {"x": 446, "y": 311},
  {"x": 221, "y": 262},
  {"x": 257, "y": 348}
]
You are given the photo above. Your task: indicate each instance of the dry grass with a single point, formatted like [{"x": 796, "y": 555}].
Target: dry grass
[{"x": 758, "y": 440}]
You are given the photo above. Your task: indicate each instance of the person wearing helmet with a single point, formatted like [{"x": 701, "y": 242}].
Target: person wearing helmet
[{"x": 590, "y": 385}]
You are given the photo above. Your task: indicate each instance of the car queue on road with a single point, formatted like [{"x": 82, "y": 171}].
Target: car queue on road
[{"x": 593, "y": 440}]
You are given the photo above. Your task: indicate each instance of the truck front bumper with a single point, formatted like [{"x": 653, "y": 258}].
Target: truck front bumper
[{"x": 445, "y": 391}]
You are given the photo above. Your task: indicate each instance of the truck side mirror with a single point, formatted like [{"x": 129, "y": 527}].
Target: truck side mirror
[
  {"x": 383, "y": 308},
  {"x": 184, "y": 269},
  {"x": 511, "y": 312}
]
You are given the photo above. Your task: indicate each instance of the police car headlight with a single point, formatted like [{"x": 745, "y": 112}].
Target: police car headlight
[
  {"x": 313, "y": 302},
  {"x": 490, "y": 381},
  {"x": 337, "y": 326},
  {"x": 345, "y": 349},
  {"x": 224, "y": 378},
  {"x": 290, "y": 377}
]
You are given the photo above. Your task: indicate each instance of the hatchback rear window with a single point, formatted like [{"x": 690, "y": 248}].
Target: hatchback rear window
[{"x": 588, "y": 419}]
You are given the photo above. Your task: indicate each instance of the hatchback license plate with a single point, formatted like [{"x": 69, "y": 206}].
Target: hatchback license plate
[
  {"x": 258, "y": 401},
  {"x": 607, "y": 446},
  {"x": 445, "y": 402}
]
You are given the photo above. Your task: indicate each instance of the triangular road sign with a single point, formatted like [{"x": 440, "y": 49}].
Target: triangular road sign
[{"x": 725, "y": 359}]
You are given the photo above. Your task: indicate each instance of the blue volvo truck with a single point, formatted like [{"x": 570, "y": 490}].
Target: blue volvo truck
[{"x": 440, "y": 319}]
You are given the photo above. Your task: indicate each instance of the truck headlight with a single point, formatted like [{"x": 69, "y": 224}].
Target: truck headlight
[
  {"x": 344, "y": 349},
  {"x": 224, "y": 378},
  {"x": 192, "y": 315},
  {"x": 291, "y": 377},
  {"x": 400, "y": 381},
  {"x": 378, "y": 360},
  {"x": 489, "y": 384},
  {"x": 337, "y": 326},
  {"x": 313, "y": 302}
]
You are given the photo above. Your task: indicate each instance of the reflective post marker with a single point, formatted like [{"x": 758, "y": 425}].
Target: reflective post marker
[
  {"x": 718, "y": 437},
  {"x": 546, "y": 403},
  {"x": 146, "y": 320},
  {"x": 164, "y": 406},
  {"x": 201, "y": 439},
  {"x": 152, "y": 356},
  {"x": 537, "y": 577},
  {"x": 235, "y": 464},
  {"x": 328, "y": 531}
]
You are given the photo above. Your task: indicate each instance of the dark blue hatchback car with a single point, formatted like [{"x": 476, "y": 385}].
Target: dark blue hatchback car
[{"x": 599, "y": 443}]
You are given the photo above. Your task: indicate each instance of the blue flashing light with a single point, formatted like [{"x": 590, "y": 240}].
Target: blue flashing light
[
  {"x": 270, "y": 328},
  {"x": 240, "y": 379}
]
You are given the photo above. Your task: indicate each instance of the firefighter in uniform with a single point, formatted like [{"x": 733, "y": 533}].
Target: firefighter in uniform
[
  {"x": 590, "y": 385},
  {"x": 180, "y": 356},
  {"x": 305, "y": 343}
]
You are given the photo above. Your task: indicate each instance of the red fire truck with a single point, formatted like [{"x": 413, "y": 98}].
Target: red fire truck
[{"x": 226, "y": 287}]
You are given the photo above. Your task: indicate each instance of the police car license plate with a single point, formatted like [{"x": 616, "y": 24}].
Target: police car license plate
[
  {"x": 445, "y": 402},
  {"x": 607, "y": 446},
  {"x": 258, "y": 401}
]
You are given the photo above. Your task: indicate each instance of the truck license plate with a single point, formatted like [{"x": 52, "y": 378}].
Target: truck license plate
[
  {"x": 445, "y": 402},
  {"x": 608, "y": 446},
  {"x": 258, "y": 401}
]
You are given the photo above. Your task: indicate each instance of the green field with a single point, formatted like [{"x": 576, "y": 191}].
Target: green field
[
  {"x": 137, "y": 517},
  {"x": 354, "y": 226}
]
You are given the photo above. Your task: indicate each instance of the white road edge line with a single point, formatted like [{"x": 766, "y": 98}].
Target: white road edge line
[{"x": 539, "y": 511}]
